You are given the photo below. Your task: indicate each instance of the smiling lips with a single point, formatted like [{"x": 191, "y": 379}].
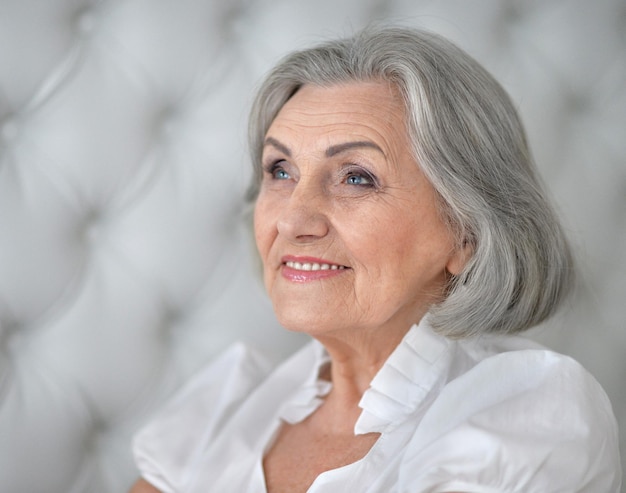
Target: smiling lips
[{"x": 309, "y": 269}]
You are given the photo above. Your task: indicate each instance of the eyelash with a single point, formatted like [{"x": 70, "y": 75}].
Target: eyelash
[
  {"x": 273, "y": 168},
  {"x": 359, "y": 172}
]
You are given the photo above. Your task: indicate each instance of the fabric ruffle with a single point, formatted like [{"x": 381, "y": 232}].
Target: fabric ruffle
[
  {"x": 309, "y": 396},
  {"x": 416, "y": 368}
]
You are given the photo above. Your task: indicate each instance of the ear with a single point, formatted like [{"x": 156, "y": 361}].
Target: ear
[{"x": 459, "y": 258}]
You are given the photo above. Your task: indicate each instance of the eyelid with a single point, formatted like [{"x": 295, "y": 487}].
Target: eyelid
[
  {"x": 271, "y": 165},
  {"x": 357, "y": 169},
  {"x": 275, "y": 166}
]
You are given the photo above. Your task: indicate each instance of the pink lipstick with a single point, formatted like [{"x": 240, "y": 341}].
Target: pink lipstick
[{"x": 304, "y": 269}]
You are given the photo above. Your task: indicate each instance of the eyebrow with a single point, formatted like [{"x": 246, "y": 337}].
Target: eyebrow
[
  {"x": 331, "y": 151},
  {"x": 346, "y": 146},
  {"x": 271, "y": 141}
]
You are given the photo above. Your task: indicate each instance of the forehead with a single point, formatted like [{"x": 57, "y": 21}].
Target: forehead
[{"x": 371, "y": 110}]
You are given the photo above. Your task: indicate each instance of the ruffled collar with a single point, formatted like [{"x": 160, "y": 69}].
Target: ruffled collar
[
  {"x": 418, "y": 367},
  {"x": 308, "y": 396},
  {"x": 414, "y": 370}
]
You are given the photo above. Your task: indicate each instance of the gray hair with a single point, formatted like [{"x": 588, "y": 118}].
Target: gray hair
[{"x": 470, "y": 143}]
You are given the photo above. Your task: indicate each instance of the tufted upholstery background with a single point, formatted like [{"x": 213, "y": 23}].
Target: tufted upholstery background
[{"x": 126, "y": 261}]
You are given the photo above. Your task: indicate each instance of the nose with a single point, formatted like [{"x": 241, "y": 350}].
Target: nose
[{"x": 304, "y": 216}]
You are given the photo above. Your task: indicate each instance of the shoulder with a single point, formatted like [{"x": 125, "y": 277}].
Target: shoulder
[
  {"x": 218, "y": 386},
  {"x": 142, "y": 486},
  {"x": 528, "y": 420},
  {"x": 529, "y": 379},
  {"x": 167, "y": 444}
]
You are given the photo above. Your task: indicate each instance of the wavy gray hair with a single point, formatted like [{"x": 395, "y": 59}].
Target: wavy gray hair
[{"x": 470, "y": 143}]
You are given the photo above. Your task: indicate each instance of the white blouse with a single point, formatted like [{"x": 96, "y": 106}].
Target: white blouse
[{"x": 487, "y": 414}]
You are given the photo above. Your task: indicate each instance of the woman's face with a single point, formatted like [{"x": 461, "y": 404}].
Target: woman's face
[{"x": 346, "y": 223}]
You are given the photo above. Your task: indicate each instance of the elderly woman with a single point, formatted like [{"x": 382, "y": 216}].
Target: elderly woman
[{"x": 402, "y": 225}]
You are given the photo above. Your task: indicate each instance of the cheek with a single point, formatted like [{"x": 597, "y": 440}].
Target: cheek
[
  {"x": 261, "y": 229},
  {"x": 262, "y": 236},
  {"x": 399, "y": 247},
  {"x": 265, "y": 233},
  {"x": 262, "y": 208},
  {"x": 381, "y": 236}
]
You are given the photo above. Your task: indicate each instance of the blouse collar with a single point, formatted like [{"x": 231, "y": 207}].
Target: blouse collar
[
  {"x": 308, "y": 396},
  {"x": 418, "y": 367},
  {"x": 414, "y": 370}
]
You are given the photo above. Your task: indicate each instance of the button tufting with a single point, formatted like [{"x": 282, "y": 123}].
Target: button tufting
[
  {"x": 577, "y": 103},
  {"x": 172, "y": 321},
  {"x": 93, "y": 227},
  {"x": 7, "y": 329},
  {"x": 512, "y": 12},
  {"x": 168, "y": 121},
  {"x": 10, "y": 130},
  {"x": 233, "y": 19},
  {"x": 85, "y": 21},
  {"x": 13, "y": 338},
  {"x": 168, "y": 127},
  {"x": 92, "y": 441}
]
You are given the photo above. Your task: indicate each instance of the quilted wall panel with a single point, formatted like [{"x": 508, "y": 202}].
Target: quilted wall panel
[{"x": 126, "y": 260}]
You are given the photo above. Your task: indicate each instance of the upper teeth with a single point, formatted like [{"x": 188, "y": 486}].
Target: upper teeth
[{"x": 313, "y": 266}]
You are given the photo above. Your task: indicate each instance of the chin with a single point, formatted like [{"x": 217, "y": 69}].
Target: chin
[
  {"x": 293, "y": 324},
  {"x": 303, "y": 323}
]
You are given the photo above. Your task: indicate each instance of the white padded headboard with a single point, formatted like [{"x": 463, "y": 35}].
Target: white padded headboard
[{"x": 126, "y": 260}]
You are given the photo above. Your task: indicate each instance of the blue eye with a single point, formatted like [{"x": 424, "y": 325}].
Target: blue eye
[
  {"x": 359, "y": 180},
  {"x": 277, "y": 172},
  {"x": 280, "y": 174}
]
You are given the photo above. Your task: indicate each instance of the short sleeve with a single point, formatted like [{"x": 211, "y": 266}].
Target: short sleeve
[
  {"x": 525, "y": 421},
  {"x": 166, "y": 449}
]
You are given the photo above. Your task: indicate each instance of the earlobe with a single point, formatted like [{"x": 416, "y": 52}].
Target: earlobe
[{"x": 459, "y": 258}]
